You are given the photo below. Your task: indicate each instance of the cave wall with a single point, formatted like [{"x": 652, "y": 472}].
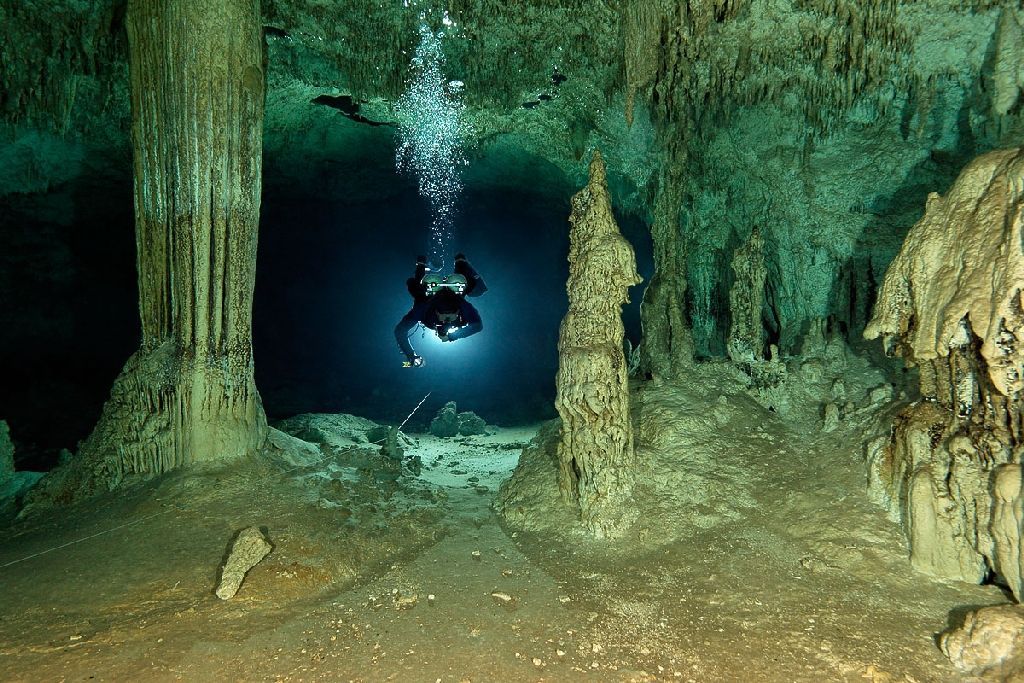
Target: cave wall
[{"x": 823, "y": 124}]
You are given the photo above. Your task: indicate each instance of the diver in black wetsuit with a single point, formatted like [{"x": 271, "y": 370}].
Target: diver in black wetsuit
[{"x": 439, "y": 303}]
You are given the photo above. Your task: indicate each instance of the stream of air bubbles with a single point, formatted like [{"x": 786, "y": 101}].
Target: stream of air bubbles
[{"x": 431, "y": 133}]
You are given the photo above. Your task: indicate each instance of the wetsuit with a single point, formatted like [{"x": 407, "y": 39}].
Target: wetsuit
[{"x": 443, "y": 310}]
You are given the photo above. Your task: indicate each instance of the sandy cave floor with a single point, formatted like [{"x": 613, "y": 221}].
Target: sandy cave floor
[{"x": 810, "y": 583}]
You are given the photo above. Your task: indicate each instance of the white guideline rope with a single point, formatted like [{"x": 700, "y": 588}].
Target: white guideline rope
[{"x": 177, "y": 509}]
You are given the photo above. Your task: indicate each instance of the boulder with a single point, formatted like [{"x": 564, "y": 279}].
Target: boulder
[
  {"x": 446, "y": 423},
  {"x": 991, "y": 640},
  {"x": 248, "y": 549},
  {"x": 471, "y": 424}
]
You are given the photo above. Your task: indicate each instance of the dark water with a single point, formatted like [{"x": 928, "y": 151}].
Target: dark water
[{"x": 330, "y": 287}]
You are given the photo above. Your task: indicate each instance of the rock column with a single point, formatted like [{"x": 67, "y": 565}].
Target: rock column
[
  {"x": 595, "y": 452},
  {"x": 188, "y": 395}
]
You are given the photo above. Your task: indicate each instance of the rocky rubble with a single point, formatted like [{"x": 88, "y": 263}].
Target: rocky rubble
[{"x": 449, "y": 422}]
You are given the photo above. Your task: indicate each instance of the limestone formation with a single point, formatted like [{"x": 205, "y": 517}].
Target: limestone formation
[
  {"x": 746, "y": 299},
  {"x": 1008, "y": 61},
  {"x": 990, "y": 641},
  {"x": 951, "y": 304},
  {"x": 248, "y": 549},
  {"x": 595, "y": 453},
  {"x": 188, "y": 395},
  {"x": 667, "y": 345}
]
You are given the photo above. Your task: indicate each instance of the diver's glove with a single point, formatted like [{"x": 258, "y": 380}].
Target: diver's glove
[
  {"x": 460, "y": 256},
  {"x": 414, "y": 362},
  {"x": 421, "y": 260}
]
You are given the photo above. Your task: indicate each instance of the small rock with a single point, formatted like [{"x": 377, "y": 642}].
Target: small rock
[
  {"x": 471, "y": 424},
  {"x": 476, "y": 555},
  {"x": 502, "y": 598},
  {"x": 881, "y": 394},
  {"x": 248, "y": 549},
  {"x": 990, "y": 637},
  {"x": 406, "y": 601},
  {"x": 537, "y": 661},
  {"x": 838, "y": 390}
]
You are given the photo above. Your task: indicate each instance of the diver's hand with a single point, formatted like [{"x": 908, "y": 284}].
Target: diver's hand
[
  {"x": 414, "y": 362},
  {"x": 460, "y": 256}
]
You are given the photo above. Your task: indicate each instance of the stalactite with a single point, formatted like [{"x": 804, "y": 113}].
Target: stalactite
[
  {"x": 595, "y": 452},
  {"x": 951, "y": 303},
  {"x": 1008, "y": 61}
]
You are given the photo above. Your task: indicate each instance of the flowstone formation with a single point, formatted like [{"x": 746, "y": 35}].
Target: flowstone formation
[
  {"x": 188, "y": 394},
  {"x": 951, "y": 303},
  {"x": 595, "y": 452}
]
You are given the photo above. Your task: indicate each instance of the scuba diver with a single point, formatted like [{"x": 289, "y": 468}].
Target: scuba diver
[{"x": 439, "y": 303}]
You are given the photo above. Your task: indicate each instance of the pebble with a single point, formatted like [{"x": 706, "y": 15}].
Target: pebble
[
  {"x": 502, "y": 598},
  {"x": 406, "y": 601},
  {"x": 476, "y": 555}
]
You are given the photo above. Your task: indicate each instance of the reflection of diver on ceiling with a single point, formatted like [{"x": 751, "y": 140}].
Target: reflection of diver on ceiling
[{"x": 439, "y": 303}]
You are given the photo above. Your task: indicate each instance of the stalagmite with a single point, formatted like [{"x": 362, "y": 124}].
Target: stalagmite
[
  {"x": 188, "y": 394},
  {"x": 746, "y": 299},
  {"x": 595, "y": 453},
  {"x": 1008, "y": 61},
  {"x": 951, "y": 302},
  {"x": 667, "y": 345}
]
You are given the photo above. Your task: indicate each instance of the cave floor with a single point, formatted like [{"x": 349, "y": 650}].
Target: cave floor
[{"x": 429, "y": 586}]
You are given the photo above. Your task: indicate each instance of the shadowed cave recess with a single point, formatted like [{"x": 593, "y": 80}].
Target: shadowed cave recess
[{"x": 746, "y": 403}]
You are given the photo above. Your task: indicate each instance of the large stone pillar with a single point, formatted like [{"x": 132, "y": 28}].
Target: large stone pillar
[
  {"x": 188, "y": 395},
  {"x": 595, "y": 452}
]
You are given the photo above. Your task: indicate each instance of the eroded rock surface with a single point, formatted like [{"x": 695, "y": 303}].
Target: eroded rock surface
[
  {"x": 6, "y": 454},
  {"x": 446, "y": 422},
  {"x": 991, "y": 640}
]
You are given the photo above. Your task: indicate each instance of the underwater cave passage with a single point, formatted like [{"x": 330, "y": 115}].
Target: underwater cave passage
[
  {"x": 809, "y": 467},
  {"x": 331, "y": 286}
]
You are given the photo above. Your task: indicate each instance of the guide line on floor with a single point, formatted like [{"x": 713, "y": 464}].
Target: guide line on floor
[{"x": 175, "y": 508}]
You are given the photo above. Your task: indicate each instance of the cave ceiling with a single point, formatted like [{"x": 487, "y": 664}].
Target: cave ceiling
[
  {"x": 824, "y": 122},
  {"x": 544, "y": 81}
]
